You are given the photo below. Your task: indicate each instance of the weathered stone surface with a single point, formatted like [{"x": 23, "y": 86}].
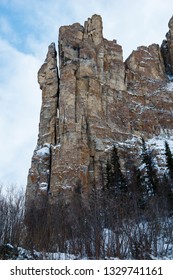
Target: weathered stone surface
[
  {"x": 49, "y": 82},
  {"x": 145, "y": 69},
  {"x": 98, "y": 101},
  {"x": 93, "y": 29},
  {"x": 167, "y": 49},
  {"x": 39, "y": 173},
  {"x": 147, "y": 83}
]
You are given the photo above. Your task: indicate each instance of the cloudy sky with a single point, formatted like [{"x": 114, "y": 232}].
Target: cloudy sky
[{"x": 27, "y": 27}]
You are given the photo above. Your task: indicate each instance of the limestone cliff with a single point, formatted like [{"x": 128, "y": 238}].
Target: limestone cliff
[{"x": 97, "y": 101}]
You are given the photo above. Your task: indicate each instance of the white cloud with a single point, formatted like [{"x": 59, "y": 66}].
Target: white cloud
[
  {"x": 7, "y": 30},
  {"x": 5, "y": 26},
  {"x": 19, "y": 112}
]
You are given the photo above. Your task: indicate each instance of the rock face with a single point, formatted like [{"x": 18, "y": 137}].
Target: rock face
[
  {"x": 167, "y": 49},
  {"x": 97, "y": 101}
]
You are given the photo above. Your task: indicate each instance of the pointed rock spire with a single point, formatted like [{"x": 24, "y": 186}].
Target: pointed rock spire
[
  {"x": 94, "y": 29},
  {"x": 49, "y": 82}
]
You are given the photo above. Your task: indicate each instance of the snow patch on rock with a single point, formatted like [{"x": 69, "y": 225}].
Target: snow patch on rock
[
  {"x": 44, "y": 151},
  {"x": 66, "y": 187},
  {"x": 169, "y": 86},
  {"x": 43, "y": 186}
]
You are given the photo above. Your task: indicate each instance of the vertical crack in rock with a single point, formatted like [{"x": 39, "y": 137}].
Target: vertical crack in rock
[{"x": 76, "y": 98}]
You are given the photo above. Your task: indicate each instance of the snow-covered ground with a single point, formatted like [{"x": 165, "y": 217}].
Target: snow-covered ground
[{"x": 30, "y": 255}]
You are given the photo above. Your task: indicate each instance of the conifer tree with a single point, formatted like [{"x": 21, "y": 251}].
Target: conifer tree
[
  {"x": 138, "y": 186},
  {"x": 108, "y": 176},
  {"x": 115, "y": 181},
  {"x": 169, "y": 159},
  {"x": 151, "y": 176}
]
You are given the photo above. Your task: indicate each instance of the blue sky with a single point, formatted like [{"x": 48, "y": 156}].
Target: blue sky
[{"x": 27, "y": 27}]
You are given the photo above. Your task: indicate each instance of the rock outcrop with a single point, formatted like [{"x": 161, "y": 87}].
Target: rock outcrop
[
  {"x": 167, "y": 49},
  {"x": 97, "y": 101}
]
